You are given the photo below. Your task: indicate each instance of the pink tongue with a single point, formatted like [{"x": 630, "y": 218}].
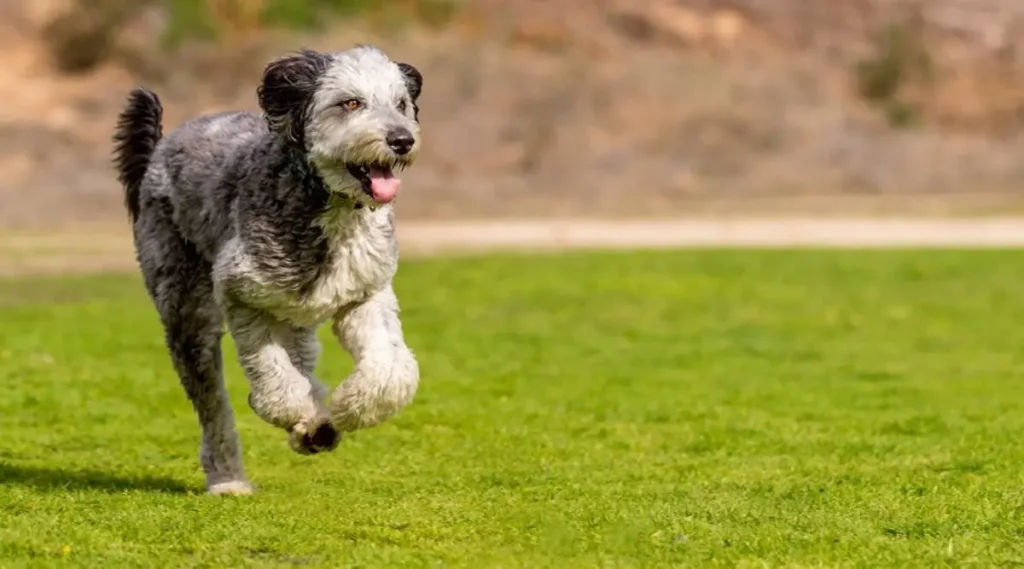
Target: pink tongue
[{"x": 384, "y": 185}]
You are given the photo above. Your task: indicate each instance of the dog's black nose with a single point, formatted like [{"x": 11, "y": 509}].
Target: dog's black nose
[{"x": 400, "y": 140}]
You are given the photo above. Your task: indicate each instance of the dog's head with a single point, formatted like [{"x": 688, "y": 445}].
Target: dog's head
[{"x": 352, "y": 113}]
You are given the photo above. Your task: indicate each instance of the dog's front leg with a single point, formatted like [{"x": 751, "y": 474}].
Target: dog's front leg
[
  {"x": 386, "y": 373},
  {"x": 279, "y": 393}
]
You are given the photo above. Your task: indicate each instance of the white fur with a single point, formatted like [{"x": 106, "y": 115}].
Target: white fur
[
  {"x": 386, "y": 373},
  {"x": 356, "y": 291},
  {"x": 366, "y": 74},
  {"x": 230, "y": 488}
]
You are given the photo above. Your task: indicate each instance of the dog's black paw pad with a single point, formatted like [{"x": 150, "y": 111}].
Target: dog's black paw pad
[{"x": 324, "y": 438}]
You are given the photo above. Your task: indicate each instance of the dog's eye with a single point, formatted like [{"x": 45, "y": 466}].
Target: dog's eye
[
  {"x": 401, "y": 106},
  {"x": 351, "y": 104}
]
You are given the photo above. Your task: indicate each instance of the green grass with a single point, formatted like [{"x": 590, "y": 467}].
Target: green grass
[{"x": 698, "y": 409}]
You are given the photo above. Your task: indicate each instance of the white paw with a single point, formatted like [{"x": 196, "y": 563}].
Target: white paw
[
  {"x": 231, "y": 488},
  {"x": 362, "y": 401}
]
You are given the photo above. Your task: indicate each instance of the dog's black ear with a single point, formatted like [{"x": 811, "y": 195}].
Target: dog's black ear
[
  {"x": 413, "y": 80},
  {"x": 287, "y": 91}
]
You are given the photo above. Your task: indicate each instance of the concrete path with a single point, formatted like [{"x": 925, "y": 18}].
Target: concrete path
[
  {"x": 108, "y": 249},
  {"x": 706, "y": 232}
]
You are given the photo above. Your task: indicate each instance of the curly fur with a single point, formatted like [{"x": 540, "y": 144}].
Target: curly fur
[
  {"x": 261, "y": 223},
  {"x": 138, "y": 131}
]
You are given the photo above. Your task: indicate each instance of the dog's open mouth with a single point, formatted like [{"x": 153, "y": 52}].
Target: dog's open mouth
[{"x": 378, "y": 180}]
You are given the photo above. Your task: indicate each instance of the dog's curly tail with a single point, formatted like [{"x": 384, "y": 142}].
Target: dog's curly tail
[{"x": 138, "y": 131}]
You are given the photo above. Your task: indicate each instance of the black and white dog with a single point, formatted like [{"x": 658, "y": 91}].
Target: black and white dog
[{"x": 273, "y": 224}]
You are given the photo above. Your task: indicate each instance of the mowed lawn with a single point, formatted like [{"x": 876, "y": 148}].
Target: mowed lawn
[{"x": 671, "y": 409}]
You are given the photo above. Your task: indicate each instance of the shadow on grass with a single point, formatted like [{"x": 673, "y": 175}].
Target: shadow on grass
[{"x": 61, "y": 479}]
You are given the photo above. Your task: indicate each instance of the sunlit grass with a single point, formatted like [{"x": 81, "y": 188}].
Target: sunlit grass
[{"x": 618, "y": 410}]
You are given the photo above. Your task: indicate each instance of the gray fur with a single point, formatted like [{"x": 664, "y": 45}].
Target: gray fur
[{"x": 258, "y": 223}]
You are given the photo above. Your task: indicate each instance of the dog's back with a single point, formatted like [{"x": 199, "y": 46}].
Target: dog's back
[{"x": 188, "y": 173}]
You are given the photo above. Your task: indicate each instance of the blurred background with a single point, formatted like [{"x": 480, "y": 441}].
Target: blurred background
[{"x": 604, "y": 108}]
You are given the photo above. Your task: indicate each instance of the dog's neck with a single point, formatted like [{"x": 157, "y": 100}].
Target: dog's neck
[{"x": 307, "y": 176}]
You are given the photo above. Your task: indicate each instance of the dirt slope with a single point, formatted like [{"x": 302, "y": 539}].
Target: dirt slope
[{"x": 589, "y": 109}]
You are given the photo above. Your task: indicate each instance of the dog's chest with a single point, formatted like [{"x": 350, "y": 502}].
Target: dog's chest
[
  {"x": 361, "y": 259},
  {"x": 359, "y": 264}
]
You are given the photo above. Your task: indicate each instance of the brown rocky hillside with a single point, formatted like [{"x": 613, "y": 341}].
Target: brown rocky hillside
[{"x": 610, "y": 107}]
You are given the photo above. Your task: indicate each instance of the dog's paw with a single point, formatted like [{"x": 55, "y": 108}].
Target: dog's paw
[
  {"x": 230, "y": 488},
  {"x": 314, "y": 438},
  {"x": 365, "y": 400},
  {"x": 347, "y": 419}
]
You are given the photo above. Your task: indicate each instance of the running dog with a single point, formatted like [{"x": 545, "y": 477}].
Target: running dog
[{"x": 269, "y": 225}]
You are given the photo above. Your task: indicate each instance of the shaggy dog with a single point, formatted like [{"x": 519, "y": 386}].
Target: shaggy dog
[{"x": 271, "y": 225}]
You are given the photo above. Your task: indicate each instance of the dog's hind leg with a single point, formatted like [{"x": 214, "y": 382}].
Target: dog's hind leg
[
  {"x": 386, "y": 373},
  {"x": 180, "y": 282},
  {"x": 281, "y": 393}
]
